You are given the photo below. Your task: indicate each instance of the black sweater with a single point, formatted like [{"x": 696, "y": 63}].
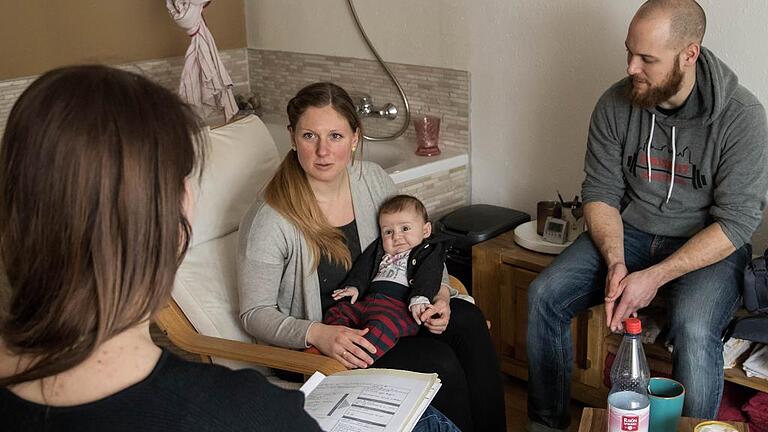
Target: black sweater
[
  {"x": 177, "y": 396},
  {"x": 425, "y": 267}
]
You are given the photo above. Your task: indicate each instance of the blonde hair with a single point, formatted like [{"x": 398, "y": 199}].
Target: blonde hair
[{"x": 289, "y": 191}]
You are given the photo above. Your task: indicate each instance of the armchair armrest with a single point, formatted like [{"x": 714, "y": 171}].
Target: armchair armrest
[
  {"x": 456, "y": 283},
  {"x": 180, "y": 331}
]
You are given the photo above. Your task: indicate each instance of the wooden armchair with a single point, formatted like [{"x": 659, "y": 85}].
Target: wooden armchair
[
  {"x": 202, "y": 318},
  {"x": 172, "y": 321}
]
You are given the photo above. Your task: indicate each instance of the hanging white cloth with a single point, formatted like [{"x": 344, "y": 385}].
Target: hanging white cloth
[{"x": 204, "y": 80}]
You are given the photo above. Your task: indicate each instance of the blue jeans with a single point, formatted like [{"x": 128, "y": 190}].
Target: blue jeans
[
  {"x": 434, "y": 421},
  {"x": 700, "y": 305}
]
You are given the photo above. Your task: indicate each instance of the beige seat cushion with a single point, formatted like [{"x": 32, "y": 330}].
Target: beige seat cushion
[{"x": 241, "y": 158}]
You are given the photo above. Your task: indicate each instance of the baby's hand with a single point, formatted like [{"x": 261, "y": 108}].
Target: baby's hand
[
  {"x": 349, "y": 291},
  {"x": 417, "y": 310}
]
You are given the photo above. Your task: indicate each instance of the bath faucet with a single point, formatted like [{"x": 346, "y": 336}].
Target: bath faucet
[{"x": 365, "y": 108}]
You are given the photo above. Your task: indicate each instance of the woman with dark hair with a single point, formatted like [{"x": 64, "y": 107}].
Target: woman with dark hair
[
  {"x": 297, "y": 243},
  {"x": 94, "y": 211}
]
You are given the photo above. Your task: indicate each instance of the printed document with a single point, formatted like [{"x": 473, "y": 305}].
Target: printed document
[{"x": 362, "y": 400}]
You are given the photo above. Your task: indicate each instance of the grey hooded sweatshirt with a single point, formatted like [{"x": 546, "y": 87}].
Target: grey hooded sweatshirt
[{"x": 717, "y": 143}]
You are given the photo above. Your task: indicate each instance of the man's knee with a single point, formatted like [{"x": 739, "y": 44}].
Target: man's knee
[
  {"x": 692, "y": 332},
  {"x": 545, "y": 297}
]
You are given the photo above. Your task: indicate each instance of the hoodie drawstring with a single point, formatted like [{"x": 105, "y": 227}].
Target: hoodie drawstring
[
  {"x": 648, "y": 147},
  {"x": 648, "y": 157},
  {"x": 672, "y": 179}
]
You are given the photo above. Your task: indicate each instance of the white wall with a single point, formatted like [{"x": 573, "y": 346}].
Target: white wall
[
  {"x": 536, "y": 68},
  {"x": 420, "y": 32}
]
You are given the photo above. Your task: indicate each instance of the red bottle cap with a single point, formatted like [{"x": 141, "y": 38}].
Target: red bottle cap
[{"x": 633, "y": 326}]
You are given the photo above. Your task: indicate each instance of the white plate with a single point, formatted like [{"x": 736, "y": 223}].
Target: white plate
[{"x": 526, "y": 236}]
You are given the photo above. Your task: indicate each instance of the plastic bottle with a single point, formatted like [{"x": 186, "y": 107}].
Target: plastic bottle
[{"x": 628, "y": 403}]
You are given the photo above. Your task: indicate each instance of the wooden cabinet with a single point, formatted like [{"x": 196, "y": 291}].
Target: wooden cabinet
[{"x": 501, "y": 273}]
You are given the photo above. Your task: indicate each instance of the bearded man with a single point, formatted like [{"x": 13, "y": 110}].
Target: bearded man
[{"x": 675, "y": 183}]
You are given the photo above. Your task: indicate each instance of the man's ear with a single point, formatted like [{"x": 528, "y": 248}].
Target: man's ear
[
  {"x": 690, "y": 54},
  {"x": 427, "y": 229}
]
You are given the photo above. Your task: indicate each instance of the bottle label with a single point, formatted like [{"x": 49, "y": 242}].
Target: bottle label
[{"x": 620, "y": 420}]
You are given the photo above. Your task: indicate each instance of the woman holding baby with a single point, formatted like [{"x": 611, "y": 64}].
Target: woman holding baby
[{"x": 298, "y": 241}]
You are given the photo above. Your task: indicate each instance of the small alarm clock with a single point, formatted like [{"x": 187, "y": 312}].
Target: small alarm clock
[{"x": 555, "y": 230}]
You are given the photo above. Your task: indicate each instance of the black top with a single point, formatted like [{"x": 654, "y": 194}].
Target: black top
[
  {"x": 672, "y": 111},
  {"x": 669, "y": 111},
  {"x": 330, "y": 274},
  {"x": 177, "y": 396}
]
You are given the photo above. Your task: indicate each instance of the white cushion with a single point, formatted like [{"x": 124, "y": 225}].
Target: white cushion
[
  {"x": 241, "y": 158},
  {"x": 206, "y": 289}
]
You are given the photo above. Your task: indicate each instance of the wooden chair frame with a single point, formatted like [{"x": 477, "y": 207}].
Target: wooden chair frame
[{"x": 172, "y": 321}]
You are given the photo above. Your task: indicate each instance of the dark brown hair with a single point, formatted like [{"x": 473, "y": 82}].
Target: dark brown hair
[
  {"x": 289, "y": 192},
  {"x": 92, "y": 182},
  {"x": 399, "y": 203}
]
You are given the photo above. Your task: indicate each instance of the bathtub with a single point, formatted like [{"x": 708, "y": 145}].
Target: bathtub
[{"x": 396, "y": 157}]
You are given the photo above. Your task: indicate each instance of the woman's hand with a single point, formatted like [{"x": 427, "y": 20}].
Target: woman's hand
[
  {"x": 342, "y": 343},
  {"x": 437, "y": 316}
]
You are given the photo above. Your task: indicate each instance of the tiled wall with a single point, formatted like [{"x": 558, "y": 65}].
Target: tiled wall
[
  {"x": 276, "y": 76},
  {"x": 165, "y": 71},
  {"x": 441, "y": 192},
  {"x": 9, "y": 92}
]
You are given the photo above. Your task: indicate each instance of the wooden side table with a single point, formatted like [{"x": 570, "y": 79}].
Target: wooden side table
[
  {"x": 596, "y": 419},
  {"x": 501, "y": 273}
]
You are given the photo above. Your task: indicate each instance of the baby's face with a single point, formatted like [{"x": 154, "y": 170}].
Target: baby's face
[{"x": 403, "y": 230}]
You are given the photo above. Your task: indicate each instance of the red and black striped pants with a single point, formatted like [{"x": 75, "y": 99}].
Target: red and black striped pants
[{"x": 387, "y": 319}]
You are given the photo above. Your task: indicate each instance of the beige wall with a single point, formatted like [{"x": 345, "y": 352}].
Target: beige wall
[
  {"x": 420, "y": 32},
  {"x": 37, "y": 35}
]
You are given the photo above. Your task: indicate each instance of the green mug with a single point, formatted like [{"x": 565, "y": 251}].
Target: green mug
[{"x": 666, "y": 397}]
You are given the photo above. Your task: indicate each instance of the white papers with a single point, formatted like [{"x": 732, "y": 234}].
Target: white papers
[
  {"x": 369, "y": 399},
  {"x": 732, "y": 351},
  {"x": 757, "y": 363}
]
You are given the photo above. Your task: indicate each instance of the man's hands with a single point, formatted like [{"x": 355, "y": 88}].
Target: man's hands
[
  {"x": 349, "y": 291},
  {"x": 636, "y": 290},
  {"x": 613, "y": 289}
]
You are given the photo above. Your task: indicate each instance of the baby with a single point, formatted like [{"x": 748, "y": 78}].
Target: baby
[{"x": 399, "y": 272}]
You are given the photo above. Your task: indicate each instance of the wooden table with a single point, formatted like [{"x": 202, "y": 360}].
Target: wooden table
[
  {"x": 501, "y": 273},
  {"x": 596, "y": 419}
]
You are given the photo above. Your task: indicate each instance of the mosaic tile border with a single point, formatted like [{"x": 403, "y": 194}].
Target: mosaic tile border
[{"x": 277, "y": 75}]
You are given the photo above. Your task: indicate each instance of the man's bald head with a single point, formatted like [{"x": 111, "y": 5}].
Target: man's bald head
[{"x": 687, "y": 21}]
